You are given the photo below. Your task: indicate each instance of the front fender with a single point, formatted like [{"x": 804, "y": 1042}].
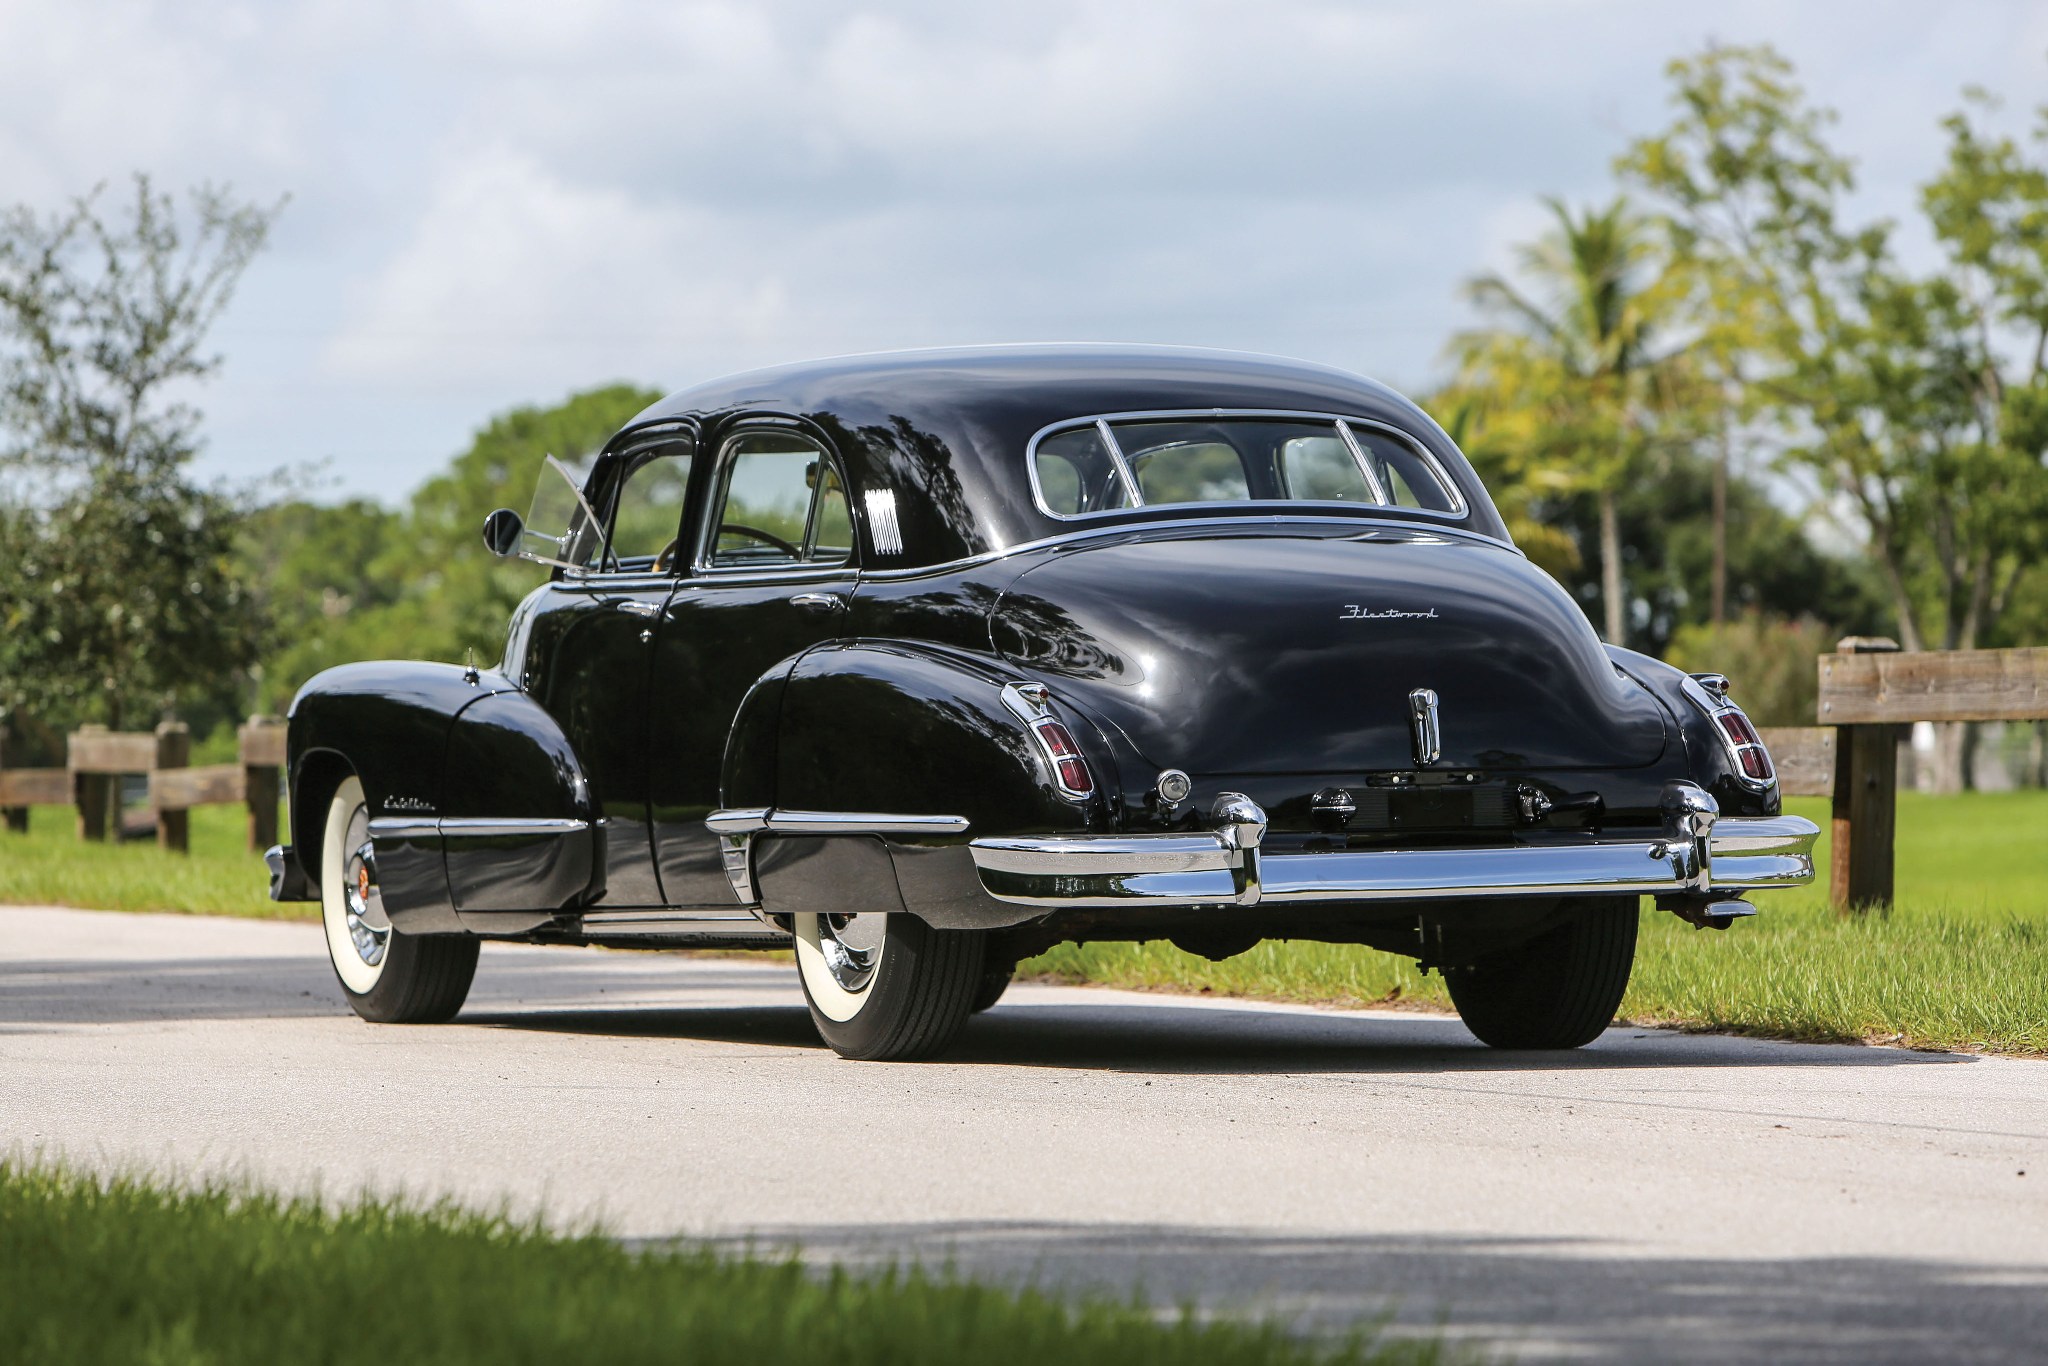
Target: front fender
[
  {"x": 476, "y": 801},
  {"x": 387, "y": 723}
]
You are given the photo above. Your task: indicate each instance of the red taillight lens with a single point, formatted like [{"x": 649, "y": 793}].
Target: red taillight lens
[
  {"x": 1738, "y": 728},
  {"x": 1066, "y": 757},
  {"x": 1747, "y": 745}
]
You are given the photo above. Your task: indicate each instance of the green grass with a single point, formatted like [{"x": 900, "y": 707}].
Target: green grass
[
  {"x": 126, "y": 1271},
  {"x": 1960, "y": 963},
  {"x": 51, "y": 866}
]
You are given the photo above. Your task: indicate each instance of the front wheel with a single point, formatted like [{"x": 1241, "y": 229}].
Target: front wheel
[
  {"x": 887, "y": 988},
  {"x": 388, "y": 977},
  {"x": 1559, "y": 990}
]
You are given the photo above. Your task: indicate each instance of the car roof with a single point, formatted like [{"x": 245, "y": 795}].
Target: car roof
[{"x": 949, "y": 427}]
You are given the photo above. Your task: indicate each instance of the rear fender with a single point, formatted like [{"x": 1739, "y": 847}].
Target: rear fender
[
  {"x": 879, "y": 734},
  {"x": 1706, "y": 761}
]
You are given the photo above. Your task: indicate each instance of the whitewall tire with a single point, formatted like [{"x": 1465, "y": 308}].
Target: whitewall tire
[
  {"x": 388, "y": 977},
  {"x": 887, "y": 987}
]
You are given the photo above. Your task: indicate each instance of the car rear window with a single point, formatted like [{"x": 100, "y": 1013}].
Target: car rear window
[{"x": 1112, "y": 464}]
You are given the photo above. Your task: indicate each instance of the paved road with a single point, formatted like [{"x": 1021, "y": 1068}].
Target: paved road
[{"x": 1654, "y": 1197}]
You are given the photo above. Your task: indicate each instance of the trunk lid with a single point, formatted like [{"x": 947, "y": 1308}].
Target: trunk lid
[{"x": 1279, "y": 652}]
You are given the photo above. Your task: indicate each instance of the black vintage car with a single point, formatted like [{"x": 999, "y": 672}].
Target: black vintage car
[{"x": 921, "y": 663}]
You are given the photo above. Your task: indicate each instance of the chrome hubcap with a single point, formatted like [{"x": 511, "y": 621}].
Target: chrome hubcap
[
  {"x": 369, "y": 929},
  {"x": 852, "y": 947}
]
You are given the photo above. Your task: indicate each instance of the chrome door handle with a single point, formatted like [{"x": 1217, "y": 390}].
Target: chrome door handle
[
  {"x": 650, "y": 610},
  {"x": 819, "y": 602}
]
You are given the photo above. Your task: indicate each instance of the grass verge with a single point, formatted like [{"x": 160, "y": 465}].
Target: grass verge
[
  {"x": 1961, "y": 963},
  {"x": 125, "y": 1271},
  {"x": 51, "y": 866}
]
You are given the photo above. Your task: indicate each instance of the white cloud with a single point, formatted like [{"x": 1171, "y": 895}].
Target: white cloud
[{"x": 500, "y": 202}]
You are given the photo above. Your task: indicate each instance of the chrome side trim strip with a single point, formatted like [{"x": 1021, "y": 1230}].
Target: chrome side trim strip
[
  {"x": 478, "y": 827},
  {"x": 755, "y": 820},
  {"x": 404, "y": 828},
  {"x": 459, "y": 826},
  {"x": 863, "y": 823},
  {"x": 738, "y": 822}
]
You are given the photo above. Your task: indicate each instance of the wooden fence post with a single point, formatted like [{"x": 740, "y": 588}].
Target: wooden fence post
[
  {"x": 90, "y": 790},
  {"x": 16, "y": 817},
  {"x": 173, "y": 824},
  {"x": 261, "y": 741},
  {"x": 1865, "y": 803}
]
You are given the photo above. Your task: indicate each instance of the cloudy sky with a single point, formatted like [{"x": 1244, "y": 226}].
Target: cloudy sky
[{"x": 500, "y": 203}]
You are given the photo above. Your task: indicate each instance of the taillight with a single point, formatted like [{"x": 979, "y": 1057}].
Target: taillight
[
  {"x": 1070, "y": 773},
  {"x": 1738, "y": 737}
]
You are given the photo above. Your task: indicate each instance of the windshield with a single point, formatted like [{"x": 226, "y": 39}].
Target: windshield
[
  {"x": 1172, "y": 460},
  {"x": 560, "y": 528}
]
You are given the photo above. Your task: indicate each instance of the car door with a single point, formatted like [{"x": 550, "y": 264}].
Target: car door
[
  {"x": 773, "y": 570},
  {"x": 590, "y": 647}
]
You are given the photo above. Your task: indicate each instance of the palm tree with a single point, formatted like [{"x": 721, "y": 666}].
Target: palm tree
[{"x": 1571, "y": 365}]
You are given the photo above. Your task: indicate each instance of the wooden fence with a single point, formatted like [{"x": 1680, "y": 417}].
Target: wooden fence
[
  {"x": 96, "y": 758},
  {"x": 1870, "y": 693}
]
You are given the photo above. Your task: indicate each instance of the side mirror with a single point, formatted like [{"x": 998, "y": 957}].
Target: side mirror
[{"x": 502, "y": 530}]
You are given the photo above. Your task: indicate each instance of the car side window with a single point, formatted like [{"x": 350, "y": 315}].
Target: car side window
[
  {"x": 1076, "y": 474},
  {"x": 1322, "y": 469},
  {"x": 1410, "y": 480},
  {"x": 780, "y": 502},
  {"x": 647, "y": 515}
]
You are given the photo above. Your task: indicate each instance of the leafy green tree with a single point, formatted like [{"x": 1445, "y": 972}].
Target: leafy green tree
[
  {"x": 1920, "y": 402},
  {"x": 121, "y": 594},
  {"x": 1579, "y": 370}
]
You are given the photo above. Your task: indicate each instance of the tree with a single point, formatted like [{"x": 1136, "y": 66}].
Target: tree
[
  {"x": 122, "y": 593},
  {"x": 1574, "y": 369},
  {"x": 1920, "y": 403}
]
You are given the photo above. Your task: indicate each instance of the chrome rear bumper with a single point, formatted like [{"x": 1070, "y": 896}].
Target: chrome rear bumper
[{"x": 1699, "y": 855}]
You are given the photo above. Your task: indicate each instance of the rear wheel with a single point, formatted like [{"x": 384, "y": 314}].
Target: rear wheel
[
  {"x": 995, "y": 980},
  {"x": 1559, "y": 990},
  {"x": 388, "y": 977},
  {"x": 887, "y": 988}
]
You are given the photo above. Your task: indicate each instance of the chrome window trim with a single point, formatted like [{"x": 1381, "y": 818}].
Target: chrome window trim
[
  {"x": 721, "y": 475},
  {"x": 1341, "y": 421},
  {"x": 622, "y": 581},
  {"x": 1358, "y": 458},
  {"x": 1239, "y": 519}
]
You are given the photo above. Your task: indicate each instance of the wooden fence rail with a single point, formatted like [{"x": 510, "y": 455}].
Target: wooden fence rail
[
  {"x": 1870, "y": 693},
  {"x": 97, "y": 758}
]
